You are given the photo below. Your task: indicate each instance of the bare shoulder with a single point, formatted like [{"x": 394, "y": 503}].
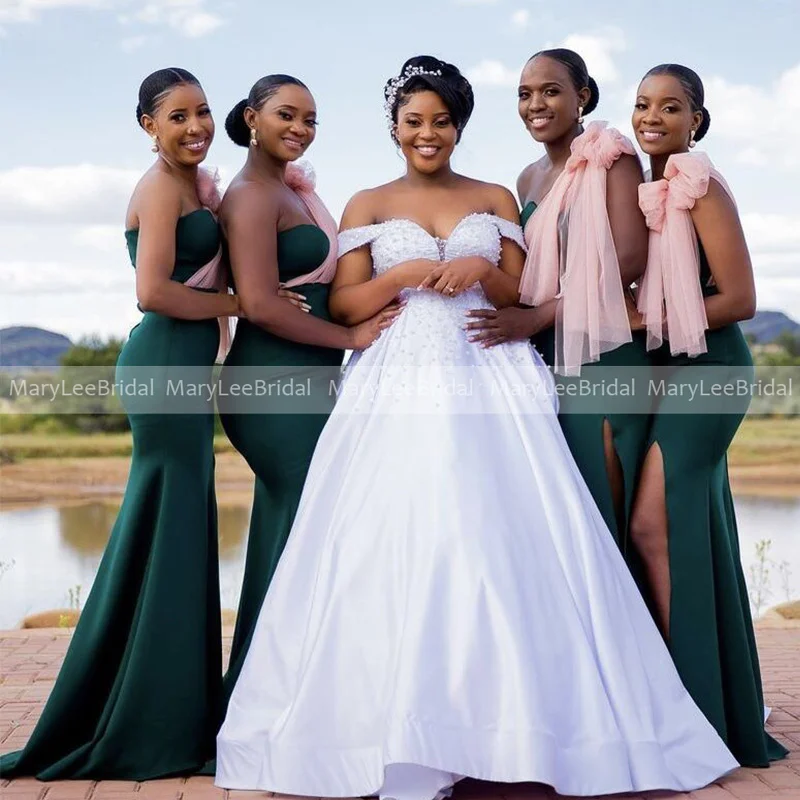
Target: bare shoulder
[
  {"x": 499, "y": 199},
  {"x": 715, "y": 201},
  {"x": 156, "y": 192},
  {"x": 363, "y": 208},
  {"x": 243, "y": 194},
  {"x": 526, "y": 180},
  {"x": 627, "y": 165}
]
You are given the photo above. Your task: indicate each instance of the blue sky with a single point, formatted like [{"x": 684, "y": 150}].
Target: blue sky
[{"x": 72, "y": 150}]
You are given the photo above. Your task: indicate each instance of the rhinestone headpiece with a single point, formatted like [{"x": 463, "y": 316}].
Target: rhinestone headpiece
[{"x": 396, "y": 84}]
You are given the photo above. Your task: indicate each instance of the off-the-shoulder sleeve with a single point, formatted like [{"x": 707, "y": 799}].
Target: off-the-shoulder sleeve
[
  {"x": 353, "y": 238},
  {"x": 511, "y": 231}
]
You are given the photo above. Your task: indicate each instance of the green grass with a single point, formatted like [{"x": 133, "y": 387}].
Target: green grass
[
  {"x": 18, "y": 446},
  {"x": 759, "y": 441}
]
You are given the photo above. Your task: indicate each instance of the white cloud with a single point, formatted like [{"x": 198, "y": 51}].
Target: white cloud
[
  {"x": 105, "y": 238},
  {"x": 521, "y": 18},
  {"x": 598, "y": 49},
  {"x": 493, "y": 73},
  {"x": 31, "y": 10},
  {"x": 186, "y": 17},
  {"x": 54, "y": 277},
  {"x": 190, "y": 18},
  {"x": 87, "y": 194},
  {"x": 758, "y": 118}
]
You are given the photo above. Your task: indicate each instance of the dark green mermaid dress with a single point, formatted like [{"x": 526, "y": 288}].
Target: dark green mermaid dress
[
  {"x": 277, "y": 433},
  {"x": 711, "y": 630},
  {"x": 138, "y": 694},
  {"x": 582, "y": 417}
]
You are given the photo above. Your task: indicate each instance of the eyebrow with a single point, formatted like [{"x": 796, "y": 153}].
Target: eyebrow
[
  {"x": 290, "y": 107},
  {"x": 184, "y": 110},
  {"x": 419, "y": 114}
]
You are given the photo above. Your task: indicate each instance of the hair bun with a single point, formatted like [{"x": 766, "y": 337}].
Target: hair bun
[
  {"x": 594, "y": 97},
  {"x": 702, "y": 128},
  {"x": 139, "y": 113},
  {"x": 235, "y": 125}
]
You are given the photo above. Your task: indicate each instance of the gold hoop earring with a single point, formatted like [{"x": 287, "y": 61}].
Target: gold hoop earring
[
  {"x": 580, "y": 115},
  {"x": 253, "y": 138},
  {"x": 692, "y": 142}
]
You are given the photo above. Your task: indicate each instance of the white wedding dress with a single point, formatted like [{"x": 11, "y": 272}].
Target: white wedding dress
[{"x": 450, "y": 602}]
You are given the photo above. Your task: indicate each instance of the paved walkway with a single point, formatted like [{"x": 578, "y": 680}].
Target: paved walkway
[{"x": 29, "y": 662}]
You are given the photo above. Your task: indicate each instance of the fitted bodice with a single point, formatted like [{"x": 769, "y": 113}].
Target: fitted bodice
[
  {"x": 431, "y": 327},
  {"x": 197, "y": 239}
]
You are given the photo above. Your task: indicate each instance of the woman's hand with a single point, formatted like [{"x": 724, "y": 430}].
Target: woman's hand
[
  {"x": 365, "y": 333},
  {"x": 491, "y": 327},
  {"x": 453, "y": 277},
  {"x": 635, "y": 319},
  {"x": 296, "y": 299},
  {"x": 410, "y": 274}
]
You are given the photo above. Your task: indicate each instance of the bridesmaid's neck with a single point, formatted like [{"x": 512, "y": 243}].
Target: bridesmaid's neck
[
  {"x": 559, "y": 151},
  {"x": 266, "y": 166},
  {"x": 659, "y": 163}
]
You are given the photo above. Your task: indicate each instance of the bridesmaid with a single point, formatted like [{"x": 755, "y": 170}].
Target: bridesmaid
[
  {"x": 139, "y": 691},
  {"x": 279, "y": 232},
  {"x": 585, "y": 175},
  {"x": 683, "y": 524}
]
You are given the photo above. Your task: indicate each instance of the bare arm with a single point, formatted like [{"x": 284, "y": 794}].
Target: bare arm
[
  {"x": 250, "y": 219},
  {"x": 159, "y": 210},
  {"x": 524, "y": 184},
  {"x": 355, "y": 294},
  {"x": 720, "y": 232},
  {"x": 628, "y": 226},
  {"x": 502, "y": 285}
]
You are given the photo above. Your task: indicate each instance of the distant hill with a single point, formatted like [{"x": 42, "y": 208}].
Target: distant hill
[
  {"x": 766, "y": 326},
  {"x": 22, "y": 346}
]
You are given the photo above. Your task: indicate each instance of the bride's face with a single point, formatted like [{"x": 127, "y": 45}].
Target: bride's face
[{"x": 426, "y": 132}]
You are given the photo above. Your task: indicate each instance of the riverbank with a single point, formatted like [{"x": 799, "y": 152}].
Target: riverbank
[{"x": 764, "y": 461}]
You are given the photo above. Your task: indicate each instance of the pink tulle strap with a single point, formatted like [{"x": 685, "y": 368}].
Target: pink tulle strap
[
  {"x": 582, "y": 271},
  {"x": 213, "y": 275},
  {"x": 208, "y": 189},
  {"x": 670, "y": 297},
  {"x": 300, "y": 177}
]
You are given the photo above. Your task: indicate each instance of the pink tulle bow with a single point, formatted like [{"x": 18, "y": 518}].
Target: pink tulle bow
[
  {"x": 591, "y": 317},
  {"x": 670, "y": 297},
  {"x": 208, "y": 189},
  {"x": 300, "y": 177}
]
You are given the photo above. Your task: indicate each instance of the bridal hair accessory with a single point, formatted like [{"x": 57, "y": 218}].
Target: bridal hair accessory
[{"x": 396, "y": 84}]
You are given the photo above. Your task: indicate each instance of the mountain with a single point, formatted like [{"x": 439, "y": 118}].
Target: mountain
[
  {"x": 766, "y": 326},
  {"x": 22, "y": 346}
]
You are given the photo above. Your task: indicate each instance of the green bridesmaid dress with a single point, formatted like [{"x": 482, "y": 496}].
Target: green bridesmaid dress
[
  {"x": 138, "y": 694},
  {"x": 582, "y": 417},
  {"x": 277, "y": 443},
  {"x": 711, "y": 630}
]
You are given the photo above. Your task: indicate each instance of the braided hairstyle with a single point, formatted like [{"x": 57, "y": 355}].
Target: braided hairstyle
[
  {"x": 452, "y": 87},
  {"x": 692, "y": 86},
  {"x": 262, "y": 90},
  {"x": 157, "y": 85},
  {"x": 578, "y": 73}
]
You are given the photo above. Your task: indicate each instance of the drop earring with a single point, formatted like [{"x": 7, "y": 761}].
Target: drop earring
[
  {"x": 692, "y": 142},
  {"x": 253, "y": 138},
  {"x": 154, "y": 148},
  {"x": 580, "y": 115}
]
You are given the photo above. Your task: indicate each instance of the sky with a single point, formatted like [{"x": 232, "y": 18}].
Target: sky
[{"x": 72, "y": 151}]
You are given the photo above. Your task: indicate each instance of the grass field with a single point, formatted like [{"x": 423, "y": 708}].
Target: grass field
[{"x": 760, "y": 441}]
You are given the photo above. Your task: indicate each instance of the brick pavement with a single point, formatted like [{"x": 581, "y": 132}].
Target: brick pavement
[{"x": 29, "y": 662}]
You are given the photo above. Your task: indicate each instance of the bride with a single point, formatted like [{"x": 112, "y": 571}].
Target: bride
[{"x": 450, "y": 602}]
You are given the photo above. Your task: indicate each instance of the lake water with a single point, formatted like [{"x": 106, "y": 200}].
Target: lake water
[{"x": 48, "y": 551}]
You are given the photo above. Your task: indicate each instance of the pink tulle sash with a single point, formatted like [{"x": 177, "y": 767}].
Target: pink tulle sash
[
  {"x": 591, "y": 317},
  {"x": 670, "y": 297},
  {"x": 300, "y": 178},
  {"x": 213, "y": 275}
]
